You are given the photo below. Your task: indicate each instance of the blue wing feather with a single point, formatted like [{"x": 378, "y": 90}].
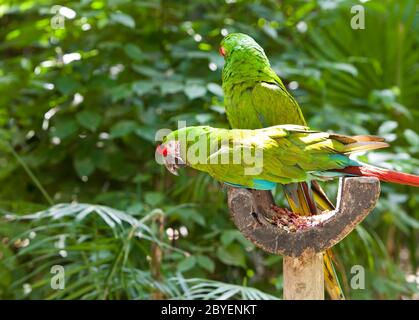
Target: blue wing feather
[{"x": 258, "y": 184}]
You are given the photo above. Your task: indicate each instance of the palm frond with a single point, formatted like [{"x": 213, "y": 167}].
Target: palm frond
[{"x": 204, "y": 289}]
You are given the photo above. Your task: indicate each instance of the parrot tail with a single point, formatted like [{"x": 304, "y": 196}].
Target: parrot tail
[
  {"x": 382, "y": 174},
  {"x": 362, "y": 145},
  {"x": 300, "y": 198}
]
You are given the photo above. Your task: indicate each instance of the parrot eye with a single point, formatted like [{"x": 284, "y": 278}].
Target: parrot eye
[{"x": 222, "y": 51}]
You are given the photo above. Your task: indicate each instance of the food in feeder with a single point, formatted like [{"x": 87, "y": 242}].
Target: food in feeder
[{"x": 291, "y": 222}]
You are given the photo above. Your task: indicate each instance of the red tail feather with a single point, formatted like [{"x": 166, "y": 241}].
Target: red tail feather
[{"x": 383, "y": 174}]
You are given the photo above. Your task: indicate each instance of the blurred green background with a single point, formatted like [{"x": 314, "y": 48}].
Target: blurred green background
[{"x": 84, "y": 87}]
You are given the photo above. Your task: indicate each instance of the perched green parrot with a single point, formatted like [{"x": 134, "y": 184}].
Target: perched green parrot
[
  {"x": 255, "y": 97},
  {"x": 259, "y": 159}
]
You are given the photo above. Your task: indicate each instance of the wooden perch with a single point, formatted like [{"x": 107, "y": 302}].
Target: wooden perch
[
  {"x": 252, "y": 214},
  {"x": 303, "y": 247}
]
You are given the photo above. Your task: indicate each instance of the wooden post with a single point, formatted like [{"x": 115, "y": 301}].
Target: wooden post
[
  {"x": 303, "y": 249},
  {"x": 304, "y": 277}
]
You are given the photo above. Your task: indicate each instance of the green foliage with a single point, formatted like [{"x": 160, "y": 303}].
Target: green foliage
[
  {"x": 106, "y": 255},
  {"x": 79, "y": 108}
]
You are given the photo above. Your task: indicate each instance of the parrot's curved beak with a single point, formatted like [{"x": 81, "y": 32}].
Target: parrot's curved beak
[{"x": 172, "y": 164}]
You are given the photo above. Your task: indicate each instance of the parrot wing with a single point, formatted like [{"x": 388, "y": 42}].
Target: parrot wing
[
  {"x": 266, "y": 159},
  {"x": 274, "y": 105}
]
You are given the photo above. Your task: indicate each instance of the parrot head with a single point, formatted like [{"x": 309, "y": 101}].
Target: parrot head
[
  {"x": 239, "y": 44},
  {"x": 244, "y": 59},
  {"x": 170, "y": 150},
  {"x": 184, "y": 147}
]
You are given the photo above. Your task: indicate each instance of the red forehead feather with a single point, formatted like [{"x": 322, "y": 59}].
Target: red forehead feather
[
  {"x": 162, "y": 150},
  {"x": 222, "y": 51}
]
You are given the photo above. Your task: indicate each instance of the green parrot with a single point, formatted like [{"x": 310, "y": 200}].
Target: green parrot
[
  {"x": 262, "y": 158},
  {"x": 255, "y": 97}
]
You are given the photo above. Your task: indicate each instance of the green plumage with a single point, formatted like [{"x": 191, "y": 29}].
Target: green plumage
[
  {"x": 255, "y": 96},
  {"x": 288, "y": 153}
]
